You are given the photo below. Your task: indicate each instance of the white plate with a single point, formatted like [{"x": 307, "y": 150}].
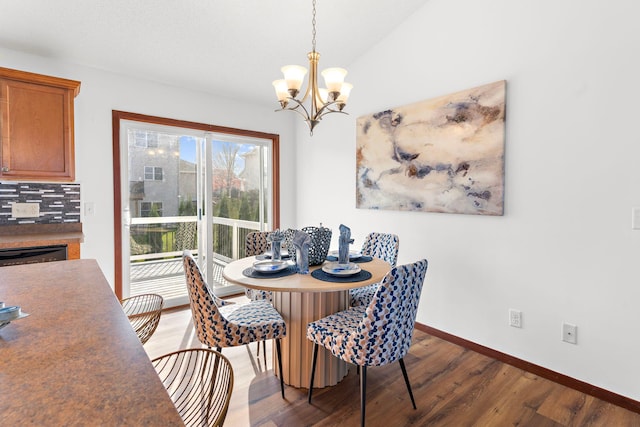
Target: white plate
[
  {"x": 269, "y": 266},
  {"x": 352, "y": 254},
  {"x": 337, "y": 269}
]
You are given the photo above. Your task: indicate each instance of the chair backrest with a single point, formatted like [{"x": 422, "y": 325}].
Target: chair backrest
[
  {"x": 207, "y": 320},
  {"x": 256, "y": 243},
  {"x": 319, "y": 246},
  {"x": 382, "y": 245},
  {"x": 144, "y": 313},
  {"x": 199, "y": 382},
  {"x": 389, "y": 320},
  {"x": 186, "y": 236}
]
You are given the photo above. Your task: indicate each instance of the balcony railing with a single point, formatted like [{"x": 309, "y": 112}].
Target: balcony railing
[{"x": 153, "y": 238}]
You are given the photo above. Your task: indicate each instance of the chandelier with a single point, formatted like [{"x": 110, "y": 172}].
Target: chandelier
[{"x": 322, "y": 101}]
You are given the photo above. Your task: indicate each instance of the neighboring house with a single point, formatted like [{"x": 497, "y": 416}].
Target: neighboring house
[
  {"x": 187, "y": 181},
  {"x": 250, "y": 175},
  {"x": 153, "y": 174}
]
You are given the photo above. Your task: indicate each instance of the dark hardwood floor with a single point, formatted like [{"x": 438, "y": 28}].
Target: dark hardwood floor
[{"x": 453, "y": 386}]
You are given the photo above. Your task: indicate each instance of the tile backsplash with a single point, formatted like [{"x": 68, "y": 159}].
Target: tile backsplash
[{"x": 59, "y": 203}]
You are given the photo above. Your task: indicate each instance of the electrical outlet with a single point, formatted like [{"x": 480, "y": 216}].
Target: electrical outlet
[
  {"x": 515, "y": 318},
  {"x": 569, "y": 333},
  {"x": 25, "y": 210}
]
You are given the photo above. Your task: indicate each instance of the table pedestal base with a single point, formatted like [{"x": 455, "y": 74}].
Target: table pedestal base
[{"x": 299, "y": 309}]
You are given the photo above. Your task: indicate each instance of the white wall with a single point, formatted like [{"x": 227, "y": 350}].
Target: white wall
[
  {"x": 564, "y": 251},
  {"x": 102, "y": 92}
]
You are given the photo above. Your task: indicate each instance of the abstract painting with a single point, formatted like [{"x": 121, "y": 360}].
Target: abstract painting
[{"x": 445, "y": 154}]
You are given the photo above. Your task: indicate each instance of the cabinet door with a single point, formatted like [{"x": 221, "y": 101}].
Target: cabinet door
[{"x": 36, "y": 126}]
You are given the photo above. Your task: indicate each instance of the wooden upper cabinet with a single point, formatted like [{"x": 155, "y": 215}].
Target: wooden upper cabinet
[{"x": 36, "y": 126}]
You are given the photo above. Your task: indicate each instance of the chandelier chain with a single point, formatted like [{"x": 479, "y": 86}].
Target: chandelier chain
[{"x": 313, "y": 25}]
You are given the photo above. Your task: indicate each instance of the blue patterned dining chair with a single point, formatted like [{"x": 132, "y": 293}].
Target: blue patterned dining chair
[
  {"x": 256, "y": 243},
  {"x": 379, "y": 245},
  {"x": 377, "y": 334},
  {"x": 221, "y": 324}
]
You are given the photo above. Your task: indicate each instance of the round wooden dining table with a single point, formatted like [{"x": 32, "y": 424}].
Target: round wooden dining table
[{"x": 301, "y": 299}]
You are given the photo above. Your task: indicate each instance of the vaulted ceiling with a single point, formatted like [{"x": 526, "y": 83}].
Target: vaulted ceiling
[{"x": 232, "y": 48}]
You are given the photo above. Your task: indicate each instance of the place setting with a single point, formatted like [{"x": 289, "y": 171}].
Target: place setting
[
  {"x": 342, "y": 265},
  {"x": 267, "y": 266},
  {"x": 336, "y": 272},
  {"x": 270, "y": 269}
]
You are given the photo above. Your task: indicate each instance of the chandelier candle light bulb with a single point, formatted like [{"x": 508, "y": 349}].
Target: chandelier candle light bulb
[
  {"x": 334, "y": 78},
  {"x": 323, "y": 101},
  {"x": 293, "y": 76},
  {"x": 345, "y": 90}
]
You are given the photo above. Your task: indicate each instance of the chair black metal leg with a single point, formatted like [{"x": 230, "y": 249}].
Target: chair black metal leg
[
  {"x": 264, "y": 351},
  {"x": 313, "y": 369},
  {"x": 363, "y": 393},
  {"x": 406, "y": 380},
  {"x": 279, "y": 354}
]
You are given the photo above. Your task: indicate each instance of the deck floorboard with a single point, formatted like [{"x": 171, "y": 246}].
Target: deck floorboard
[{"x": 166, "y": 278}]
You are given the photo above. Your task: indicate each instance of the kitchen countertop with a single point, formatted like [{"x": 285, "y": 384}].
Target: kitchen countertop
[
  {"x": 75, "y": 360},
  {"x": 34, "y": 235},
  {"x": 7, "y": 231},
  {"x": 42, "y": 239}
]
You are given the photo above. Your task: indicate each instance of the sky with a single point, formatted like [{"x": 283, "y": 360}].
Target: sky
[{"x": 188, "y": 151}]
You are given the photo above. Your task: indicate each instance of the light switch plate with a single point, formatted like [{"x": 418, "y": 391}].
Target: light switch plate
[
  {"x": 89, "y": 209},
  {"x": 25, "y": 210}
]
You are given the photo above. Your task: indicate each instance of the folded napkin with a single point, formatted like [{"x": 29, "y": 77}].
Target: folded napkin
[
  {"x": 343, "y": 244},
  {"x": 302, "y": 241}
]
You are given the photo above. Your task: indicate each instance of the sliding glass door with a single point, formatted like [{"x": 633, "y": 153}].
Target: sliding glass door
[{"x": 189, "y": 188}]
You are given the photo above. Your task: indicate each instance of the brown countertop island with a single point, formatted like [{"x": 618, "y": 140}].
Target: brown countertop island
[{"x": 75, "y": 360}]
